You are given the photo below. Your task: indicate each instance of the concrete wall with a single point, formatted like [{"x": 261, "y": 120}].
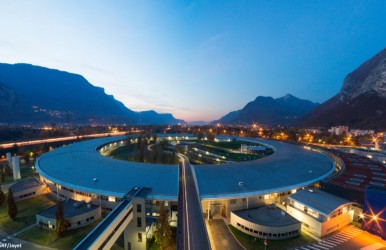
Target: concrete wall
[
  {"x": 265, "y": 232},
  {"x": 132, "y": 231},
  {"x": 28, "y": 193}
]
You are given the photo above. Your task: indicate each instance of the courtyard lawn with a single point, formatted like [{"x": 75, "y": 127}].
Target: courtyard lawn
[
  {"x": 152, "y": 245},
  {"x": 27, "y": 210},
  {"x": 252, "y": 243},
  {"x": 229, "y": 155},
  {"x": 231, "y": 144},
  {"x": 49, "y": 238}
]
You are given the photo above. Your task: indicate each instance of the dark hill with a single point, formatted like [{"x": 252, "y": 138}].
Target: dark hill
[
  {"x": 361, "y": 103},
  {"x": 33, "y": 94},
  {"x": 269, "y": 111}
]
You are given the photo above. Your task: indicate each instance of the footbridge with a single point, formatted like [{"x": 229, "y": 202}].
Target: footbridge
[{"x": 106, "y": 233}]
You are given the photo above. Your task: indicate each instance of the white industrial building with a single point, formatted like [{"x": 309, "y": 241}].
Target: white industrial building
[{"x": 321, "y": 213}]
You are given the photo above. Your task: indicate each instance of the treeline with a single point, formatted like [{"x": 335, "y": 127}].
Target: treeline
[{"x": 149, "y": 150}]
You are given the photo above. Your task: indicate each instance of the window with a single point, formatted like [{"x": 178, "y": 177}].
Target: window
[
  {"x": 139, "y": 237},
  {"x": 232, "y": 201},
  {"x": 139, "y": 222},
  {"x": 139, "y": 208},
  {"x": 238, "y": 224}
]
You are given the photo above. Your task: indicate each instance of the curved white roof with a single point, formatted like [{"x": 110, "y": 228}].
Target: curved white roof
[{"x": 75, "y": 166}]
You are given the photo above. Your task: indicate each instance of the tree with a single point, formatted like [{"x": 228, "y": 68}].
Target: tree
[
  {"x": 2, "y": 197},
  {"x": 26, "y": 157},
  {"x": 61, "y": 223},
  {"x": 12, "y": 207},
  {"x": 163, "y": 233}
]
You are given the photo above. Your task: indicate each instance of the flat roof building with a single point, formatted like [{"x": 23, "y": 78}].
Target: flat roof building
[
  {"x": 78, "y": 214},
  {"x": 320, "y": 213},
  {"x": 266, "y": 222},
  {"x": 26, "y": 188}
]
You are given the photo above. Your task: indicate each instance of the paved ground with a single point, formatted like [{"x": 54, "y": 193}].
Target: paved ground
[
  {"x": 349, "y": 238},
  {"x": 223, "y": 238}
]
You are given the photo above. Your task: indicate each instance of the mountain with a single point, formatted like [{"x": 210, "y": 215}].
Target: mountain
[
  {"x": 197, "y": 123},
  {"x": 148, "y": 117},
  {"x": 361, "y": 102},
  {"x": 34, "y": 94},
  {"x": 269, "y": 111}
]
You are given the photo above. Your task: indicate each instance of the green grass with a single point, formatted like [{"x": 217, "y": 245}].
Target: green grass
[
  {"x": 229, "y": 155},
  {"x": 123, "y": 153},
  {"x": 252, "y": 243},
  {"x": 27, "y": 210},
  {"x": 50, "y": 239},
  {"x": 152, "y": 245},
  {"x": 231, "y": 144}
]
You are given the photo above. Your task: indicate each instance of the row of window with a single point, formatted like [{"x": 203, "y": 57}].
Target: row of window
[
  {"x": 286, "y": 234},
  {"x": 26, "y": 195},
  {"x": 77, "y": 192},
  {"x": 234, "y": 201}
]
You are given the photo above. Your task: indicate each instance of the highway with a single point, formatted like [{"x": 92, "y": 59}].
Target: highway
[
  {"x": 68, "y": 138},
  {"x": 192, "y": 233}
]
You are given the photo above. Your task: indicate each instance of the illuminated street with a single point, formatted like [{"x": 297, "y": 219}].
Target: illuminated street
[{"x": 348, "y": 238}]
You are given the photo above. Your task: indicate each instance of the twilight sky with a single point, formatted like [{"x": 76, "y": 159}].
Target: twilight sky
[{"x": 196, "y": 59}]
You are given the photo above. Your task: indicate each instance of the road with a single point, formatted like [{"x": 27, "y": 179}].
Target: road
[
  {"x": 68, "y": 138},
  {"x": 222, "y": 237},
  {"x": 192, "y": 234}
]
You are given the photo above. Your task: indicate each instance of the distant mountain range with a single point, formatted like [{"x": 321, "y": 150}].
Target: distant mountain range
[
  {"x": 361, "y": 103},
  {"x": 36, "y": 95},
  {"x": 268, "y": 111}
]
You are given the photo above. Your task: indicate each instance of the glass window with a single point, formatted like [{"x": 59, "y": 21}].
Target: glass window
[{"x": 139, "y": 222}]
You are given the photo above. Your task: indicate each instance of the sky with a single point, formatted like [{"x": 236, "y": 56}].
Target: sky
[{"x": 198, "y": 60}]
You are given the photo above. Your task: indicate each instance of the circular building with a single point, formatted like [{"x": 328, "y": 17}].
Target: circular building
[
  {"x": 80, "y": 172},
  {"x": 266, "y": 222}
]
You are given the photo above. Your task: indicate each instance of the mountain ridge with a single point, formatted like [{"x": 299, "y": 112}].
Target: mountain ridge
[
  {"x": 361, "y": 102},
  {"x": 37, "y": 94},
  {"x": 269, "y": 111}
]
